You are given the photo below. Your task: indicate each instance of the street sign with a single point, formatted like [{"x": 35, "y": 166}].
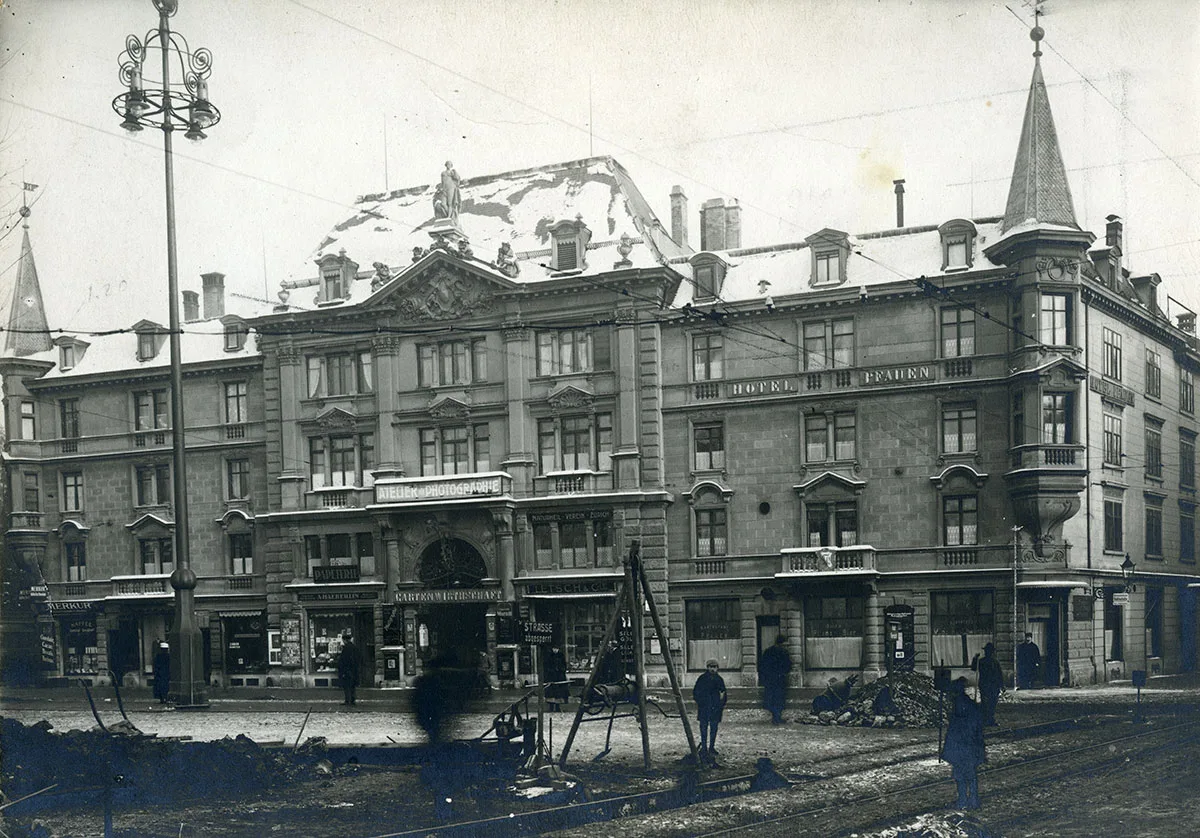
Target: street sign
[
  {"x": 533, "y": 631},
  {"x": 1120, "y": 598}
]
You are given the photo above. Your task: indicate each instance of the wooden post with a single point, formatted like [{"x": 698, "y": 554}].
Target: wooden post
[
  {"x": 639, "y": 645},
  {"x": 666, "y": 653}
]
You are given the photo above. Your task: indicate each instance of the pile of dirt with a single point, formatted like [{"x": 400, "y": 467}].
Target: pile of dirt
[
  {"x": 899, "y": 699},
  {"x": 137, "y": 767}
]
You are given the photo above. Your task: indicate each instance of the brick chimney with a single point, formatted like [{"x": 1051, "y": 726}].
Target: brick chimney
[
  {"x": 733, "y": 225},
  {"x": 899, "y": 184},
  {"x": 214, "y": 295},
  {"x": 1187, "y": 322},
  {"x": 712, "y": 224},
  {"x": 191, "y": 306},
  {"x": 679, "y": 219}
]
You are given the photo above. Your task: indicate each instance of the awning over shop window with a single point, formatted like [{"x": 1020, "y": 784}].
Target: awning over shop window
[
  {"x": 587, "y": 595},
  {"x": 1053, "y": 583},
  {"x": 246, "y": 612}
]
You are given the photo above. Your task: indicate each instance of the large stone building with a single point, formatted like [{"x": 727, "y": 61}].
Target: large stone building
[{"x": 890, "y": 447}]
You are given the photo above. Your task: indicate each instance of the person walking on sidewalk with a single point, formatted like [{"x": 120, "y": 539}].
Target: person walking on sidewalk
[
  {"x": 347, "y": 668},
  {"x": 710, "y": 696},
  {"x": 964, "y": 748},
  {"x": 773, "y": 669},
  {"x": 991, "y": 681},
  {"x": 162, "y": 671}
]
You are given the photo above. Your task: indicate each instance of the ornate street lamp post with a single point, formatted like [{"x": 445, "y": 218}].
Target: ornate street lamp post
[{"x": 169, "y": 105}]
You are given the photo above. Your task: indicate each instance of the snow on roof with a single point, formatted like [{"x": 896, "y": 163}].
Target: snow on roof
[
  {"x": 517, "y": 208},
  {"x": 875, "y": 259}
]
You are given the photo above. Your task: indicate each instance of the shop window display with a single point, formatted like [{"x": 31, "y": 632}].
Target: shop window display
[
  {"x": 81, "y": 653},
  {"x": 325, "y": 633},
  {"x": 833, "y": 632}
]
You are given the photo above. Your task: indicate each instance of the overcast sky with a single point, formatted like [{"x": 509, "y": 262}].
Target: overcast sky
[{"x": 803, "y": 111}]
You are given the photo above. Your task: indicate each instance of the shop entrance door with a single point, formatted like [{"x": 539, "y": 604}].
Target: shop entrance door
[
  {"x": 364, "y": 635},
  {"x": 457, "y": 633},
  {"x": 123, "y": 648},
  {"x": 767, "y": 629}
]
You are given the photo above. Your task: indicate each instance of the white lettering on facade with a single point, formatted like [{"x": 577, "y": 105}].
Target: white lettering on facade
[
  {"x": 430, "y": 490},
  {"x": 765, "y": 387},
  {"x": 897, "y": 375}
]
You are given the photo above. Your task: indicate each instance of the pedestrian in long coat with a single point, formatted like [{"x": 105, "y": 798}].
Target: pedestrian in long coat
[
  {"x": 162, "y": 672},
  {"x": 773, "y": 669},
  {"x": 710, "y": 696},
  {"x": 554, "y": 668},
  {"x": 964, "y": 748},
  {"x": 991, "y": 681},
  {"x": 347, "y": 669},
  {"x": 1029, "y": 657}
]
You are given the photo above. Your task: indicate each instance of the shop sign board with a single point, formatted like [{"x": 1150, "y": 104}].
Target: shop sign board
[
  {"x": 537, "y": 632},
  {"x": 70, "y": 605},
  {"x": 897, "y": 375},
  {"x": 1120, "y": 598},
  {"x": 1111, "y": 390},
  {"x": 289, "y": 638},
  {"x": 49, "y": 645},
  {"x": 585, "y": 586},
  {"x": 449, "y": 595},
  {"x": 339, "y": 573},
  {"x": 441, "y": 488},
  {"x": 325, "y": 596}
]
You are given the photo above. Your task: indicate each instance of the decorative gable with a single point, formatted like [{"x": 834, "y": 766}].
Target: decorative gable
[
  {"x": 441, "y": 293},
  {"x": 449, "y": 408},
  {"x": 570, "y": 397},
  {"x": 337, "y": 419}
]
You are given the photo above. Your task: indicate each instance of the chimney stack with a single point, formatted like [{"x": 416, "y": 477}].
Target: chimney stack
[
  {"x": 191, "y": 306},
  {"x": 1187, "y": 322},
  {"x": 712, "y": 224},
  {"x": 1113, "y": 232},
  {"x": 679, "y": 218},
  {"x": 214, "y": 295},
  {"x": 899, "y": 184},
  {"x": 733, "y": 225},
  {"x": 1146, "y": 288}
]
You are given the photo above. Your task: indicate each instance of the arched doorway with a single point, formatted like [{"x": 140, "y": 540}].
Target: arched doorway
[{"x": 456, "y": 632}]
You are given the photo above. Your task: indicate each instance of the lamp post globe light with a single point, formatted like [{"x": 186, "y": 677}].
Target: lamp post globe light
[{"x": 169, "y": 105}]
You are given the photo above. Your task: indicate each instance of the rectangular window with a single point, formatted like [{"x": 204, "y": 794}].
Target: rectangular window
[
  {"x": 333, "y": 285},
  {"x": 829, "y": 345},
  {"x": 364, "y": 549},
  {"x": 956, "y": 253},
  {"x": 483, "y": 448},
  {"x": 710, "y": 447},
  {"x": 339, "y": 374},
  {"x": 958, "y": 429},
  {"x": 1112, "y": 439},
  {"x": 68, "y": 418},
  {"x": 158, "y": 555},
  {"x": 817, "y": 523},
  {"x": 241, "y": 553},
  {"x": 1187, "y": 460},
  {"x": 713, "y": 628},
  {"x": 456, "y": 449},
  {"x": 1187, "y": 391},
  {"x": 238, "y": 482},
  {"x": 711, "y": 532},
  {"x": 706, "y": 282},
  {"x": 33, "y": 492},
  {"x": 72, "y": 491},
  {"x": 543, "y": 545},
  {"x": 822, "y": 436},
  {"x": 1054, "y": 325},
  {"x": 826, "y": 269},
  {"x": 66, "y": 356},
  {"x": 1112, "y": 354},
  {"x": 815, "y": 355},
  {"x": 150, "y": 409},
  {"x": 76, "y": 561},
  {"x": 843, "y": 344},
  {"x": 235, "y": 402},
  {"x": 452, "y": 362},
  {"x": 569, "y": 351},
  {"x": 317, "y": 462},
  {"x": 1153, "y": 451},
  {"x": 833, "y": 632},
  {"x": 816, "y": 438},
  {"x": 844, "y": 436},
  {"x": 708, "y": 357},
  {"x": 1187, "y": 533},
  {"x": 576, "y": 443},
  {"x": 366, "y": 460},
  {"x": 1153, "y": 374},
  {"x": 153, "y": 484},
  {"x": 342, "y": 468},
  {"x": 462, "y": 449},
  {"x": 1056, "y": 418},
  {"x": 1114, "y": 525},
  {"x": 1154, "y": 531},
  {"x": 313, "y": 555},
  {"x": 572, "y": 544},
  {"x": 958, "y": 332},
  {"x": 960, "y": 516},
  {"x": 1018, "y": 419},
  {"x": 844, "y": 520},
  {"x": 147, "y": 348},
  {"x": 429, "y": 449},
  {"x": 962, "y": 622}
]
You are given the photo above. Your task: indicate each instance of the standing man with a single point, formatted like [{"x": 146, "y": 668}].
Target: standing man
[
  {"x": 991, "y": 681},
  {"x": 554, "y": 669},
  {"x": 773, "y": 669},
  {"x": 162, "y": 671},
  {"x": 710, "y": 697},
  {"x": 347, "y": 668},
  {"x": 1029, "y": 658},
  {"x": 964, "y": 748}
]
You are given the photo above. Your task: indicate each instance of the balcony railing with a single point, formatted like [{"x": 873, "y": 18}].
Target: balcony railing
[
  {"x": 856, "y": 559},
  {"x": 159, "y": 583},
  {"x": 25, "y": 521},
  {"x": 959, "y": 556},
  {"x": 573, "y": 483},
  {"x": 708, "y": 390},
  {"x": 1047, "y": 456},
  {"x": 959, "y": 367}
]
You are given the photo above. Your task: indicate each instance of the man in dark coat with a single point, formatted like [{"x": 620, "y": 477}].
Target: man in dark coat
[
  {"x": 773, "y": 669},
  {"x": 347, "y": 669},
  {"x": 554, "y": 669},
  {"x": 964, "y": 748},
  {"x": 162, "y": 671},
  {"x": 991, "y": 681},
  {"x": 1029, "y": 657},
  {"x": 710, "y": 697}
]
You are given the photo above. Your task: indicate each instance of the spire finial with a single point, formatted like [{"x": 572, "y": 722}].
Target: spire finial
[{"x": 1036, "y": 34}]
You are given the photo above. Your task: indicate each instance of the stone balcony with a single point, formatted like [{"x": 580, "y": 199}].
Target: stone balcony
[
  {"x": 825, "y": 561},
  {"x": 156, "y": 585},
  {"x": 572, "y": 483}
]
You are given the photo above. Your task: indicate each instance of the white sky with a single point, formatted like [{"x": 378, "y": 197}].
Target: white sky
[{"x": 803, "y": 111}]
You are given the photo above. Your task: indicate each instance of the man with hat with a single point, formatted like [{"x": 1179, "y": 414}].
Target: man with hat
[
  {"x": 991, "y": 681},
  {"x": 710, "y": 697}
]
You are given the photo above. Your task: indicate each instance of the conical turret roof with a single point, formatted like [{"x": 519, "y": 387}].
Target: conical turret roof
[{"x": 27, "y": 332}]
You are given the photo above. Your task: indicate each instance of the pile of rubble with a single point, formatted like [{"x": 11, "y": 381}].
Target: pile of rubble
[
  {"x": 899, "y": 699},
  {"x": 138, "y": 767}
]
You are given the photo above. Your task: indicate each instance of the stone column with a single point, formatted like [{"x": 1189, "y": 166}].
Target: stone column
[
  {"x": 292, "y": 455},
  {"x": 521, "y": 463},
  {"x": 873, "y": 663},
  {"x": 386, "y": 349},
  {"x": 626, "y": 459},
  {"x": 505, "y": 553}
]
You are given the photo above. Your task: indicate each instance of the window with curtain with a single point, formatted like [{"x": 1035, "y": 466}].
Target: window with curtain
[
  {"x": 961, "y": 622},
  {"x": 713, "y": 629}
]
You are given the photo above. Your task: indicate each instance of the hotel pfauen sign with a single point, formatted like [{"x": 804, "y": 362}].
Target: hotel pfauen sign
[
  {"x": 762, "y": 387},
  {"x": 897, "y": 375},
  {"x": 457, "y": 487}
]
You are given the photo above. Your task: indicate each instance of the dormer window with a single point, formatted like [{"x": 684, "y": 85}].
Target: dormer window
[
  {"x": 66, "y": 356},
  {"x": 708, "y": 272},
  {"x": 958, "y": 245},
  {"x": 149, "y": 339},
  {"x": 235, "y": 336},
  {"x": 70, "y": 351},
  {"x": 145, "y": 347},
  {"x": 830, "y": 249},
  {"x": 568, "y": 245},
  {"x": 337, "y": 274}
]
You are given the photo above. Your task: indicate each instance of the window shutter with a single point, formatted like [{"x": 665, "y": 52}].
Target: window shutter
[{"x": 602, "y": 348}]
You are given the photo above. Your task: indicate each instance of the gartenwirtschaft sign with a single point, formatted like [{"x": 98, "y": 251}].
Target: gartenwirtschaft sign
[
  {"x": 449, "y": 595},
  {"x": 441, "y": 488}
]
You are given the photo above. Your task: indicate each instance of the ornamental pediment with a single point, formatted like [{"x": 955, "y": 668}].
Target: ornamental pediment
[
  {"x": 337, "y": 419},
  {"x": 437, "y": 287},
  {"x": 448, "y": 407},
  {"x": 570, "y": 397}
]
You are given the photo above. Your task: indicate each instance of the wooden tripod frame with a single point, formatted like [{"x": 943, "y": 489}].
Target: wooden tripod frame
[{"x": 634, "y": 596}]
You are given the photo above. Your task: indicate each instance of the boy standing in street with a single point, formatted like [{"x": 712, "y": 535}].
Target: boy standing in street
[{"x": 710, "y": 697}]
